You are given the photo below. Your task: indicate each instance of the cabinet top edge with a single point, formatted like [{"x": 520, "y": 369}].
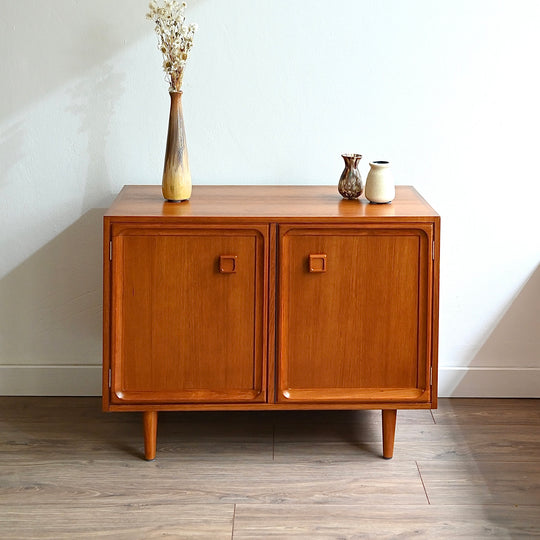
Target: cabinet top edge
[{"x": 276, "y": 202}]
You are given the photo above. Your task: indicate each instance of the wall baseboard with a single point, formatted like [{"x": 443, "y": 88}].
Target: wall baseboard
[
  {"x": 489, "y": 382},
  {"x": 50, "y": 380},
  {"x": 86, "y": 381}
]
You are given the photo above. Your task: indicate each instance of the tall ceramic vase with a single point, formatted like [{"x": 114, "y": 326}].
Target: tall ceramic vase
[
  {"x": 380, "y": 183},
  {"x": 176, "y": 185},
  {"x": 350, "y": 183}
]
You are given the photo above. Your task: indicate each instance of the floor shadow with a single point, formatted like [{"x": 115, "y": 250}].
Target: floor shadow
[
  {"x": 515, "y": 341},
  {"x": 249, "y": 432},
  {"x": 484, "y": 471},
  {"x": 67, "y": 428}
]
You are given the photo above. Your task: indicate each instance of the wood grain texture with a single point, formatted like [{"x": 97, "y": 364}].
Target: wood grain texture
[
  {"x": 388, "y": 432},
  {"x": 272, "y": 311},
  {"x": 281, "y": 203},
  {"x": 182, "y": 330},
  {"x": 210, "y": 304},
  {"x": 381, "y": 522},
  {"x": 137, "y": 521},
  {"x": 106, "y": 345},
  {"x": 370, "y": 403},
  {"x": 210, "y": 482},
  {"x": 435, "y": 443},
  {"x": 488, "y": 412},
  {"x": 67, "y": 470},
  {"x": 361, "y": 330},
  {"x": 435, "y": 312},
  {"x": 482, "y": 482},
  {"x": 150, "y": 419}
]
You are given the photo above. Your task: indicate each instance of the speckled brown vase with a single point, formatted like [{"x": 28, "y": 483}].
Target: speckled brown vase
[
  {"x": 350, "y": 184},
  {"x": 176, "y": 185}
]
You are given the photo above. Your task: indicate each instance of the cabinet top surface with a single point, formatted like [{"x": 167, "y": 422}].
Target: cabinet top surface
[{"x": 266, "y": 203}]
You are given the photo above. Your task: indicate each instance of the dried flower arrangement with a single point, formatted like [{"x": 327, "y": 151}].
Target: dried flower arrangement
[{"x": 175, "y": 38}]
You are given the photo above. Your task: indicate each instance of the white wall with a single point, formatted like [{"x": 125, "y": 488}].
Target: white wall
[{"x": 275, "y": 91}]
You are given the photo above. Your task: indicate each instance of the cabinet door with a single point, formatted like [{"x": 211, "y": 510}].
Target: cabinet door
[
  {"x": 354, "y": 322},
  {"x": 188, "y": 314}
]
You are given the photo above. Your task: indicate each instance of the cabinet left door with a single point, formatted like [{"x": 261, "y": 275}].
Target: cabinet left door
[{"x": 188, "y": 310}]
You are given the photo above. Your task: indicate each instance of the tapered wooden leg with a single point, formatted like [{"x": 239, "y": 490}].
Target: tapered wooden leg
[
  {"x": 150, "y": 434},
  {"x": 388, "y": 432}
]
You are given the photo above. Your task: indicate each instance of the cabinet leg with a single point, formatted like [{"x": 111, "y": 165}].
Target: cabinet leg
[
  {"x": 150, "y": 434},
  {"x": 388, "y": 432}
]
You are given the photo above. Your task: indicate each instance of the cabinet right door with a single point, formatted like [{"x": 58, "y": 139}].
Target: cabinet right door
[{"x": 355, "y": 316}]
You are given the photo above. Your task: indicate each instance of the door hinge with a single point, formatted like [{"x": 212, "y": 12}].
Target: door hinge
[
  {"x": 110, "y": 377},
  {"x": 110, "y": 250},
  {"x": 430, "y": 376},
  {"x": 433, "y": 250}
]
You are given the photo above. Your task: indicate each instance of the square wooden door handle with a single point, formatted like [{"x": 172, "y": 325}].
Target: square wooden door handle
[
  {"x": 227, "y": 264},
  {"x": 317, "y": 262}
]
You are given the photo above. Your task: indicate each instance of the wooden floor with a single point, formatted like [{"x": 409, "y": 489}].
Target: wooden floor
[{"x": 470, "y": 469}]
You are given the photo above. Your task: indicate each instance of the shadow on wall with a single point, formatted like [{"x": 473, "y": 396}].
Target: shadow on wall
[
  {"x": 52, "y": 42},
  {"x": 510, "y": 356},
  {"x": 11, "y": 144},
  {"x": 516, "y": 338},
  {"x": 49, "y": 43},
  {"x": 93, "y": 102},
  {"x": 51, "y": 303}
]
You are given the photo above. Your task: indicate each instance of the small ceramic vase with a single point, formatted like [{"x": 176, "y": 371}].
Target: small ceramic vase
[
  {"x": 350, "y": 184},
  {"x": 380, "y": 186}
]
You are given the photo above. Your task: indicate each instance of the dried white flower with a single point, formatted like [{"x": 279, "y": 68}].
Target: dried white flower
[{"x": 175, "y": 38}]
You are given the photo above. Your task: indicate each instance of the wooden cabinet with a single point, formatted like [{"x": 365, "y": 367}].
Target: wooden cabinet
[
  {"x": 269, "y": 297},
  {"x": 189, "y": 314},
  {"x": 354, "y": 329}
]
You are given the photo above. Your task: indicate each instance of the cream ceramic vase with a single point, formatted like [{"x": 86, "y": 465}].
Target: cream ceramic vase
[{"x": 380, "y": 186}]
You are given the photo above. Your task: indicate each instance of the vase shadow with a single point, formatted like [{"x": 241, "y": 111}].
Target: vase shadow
[{"x": 64, "y": 29}]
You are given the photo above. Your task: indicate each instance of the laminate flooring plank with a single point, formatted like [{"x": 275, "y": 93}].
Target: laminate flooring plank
[
  {"x": 133, "y": 450},
  {"x": 479, "y": 465},
  {"x": 482, "y": 482},
  {"x": 91, "y": 439},
  {"x": 82, "y": 430},
  {"x": 366, "y": 427},
  {"x": 82, "y": 427},
  {"x": 194, "y": 482},
  {"x": 490, "y": 442},
  {"x": 488, "y": 411},
  {"x": 385, "y": 522},
  {"x": 408, "y": 433},
  {"x": 121, "y": 522}
]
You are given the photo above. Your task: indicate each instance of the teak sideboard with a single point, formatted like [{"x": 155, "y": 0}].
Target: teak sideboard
[{"x": 269, "y": 297}]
